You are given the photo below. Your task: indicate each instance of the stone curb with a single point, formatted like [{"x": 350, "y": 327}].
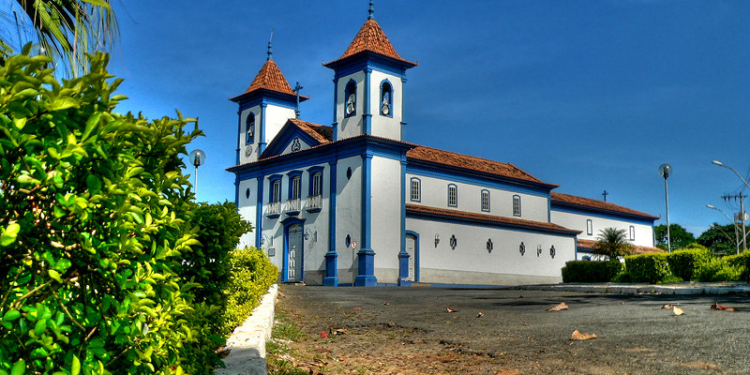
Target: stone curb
[
  {"x": 247, "y": 344},
  {"x": 644, "y": 289}
]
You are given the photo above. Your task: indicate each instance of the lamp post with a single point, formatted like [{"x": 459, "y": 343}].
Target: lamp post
[
  {"x": 197, "y": 158},
  {"x": 665, "y": 170},
  {"x": 742, "y": 205},
  {"x": 736, "y": 234}
]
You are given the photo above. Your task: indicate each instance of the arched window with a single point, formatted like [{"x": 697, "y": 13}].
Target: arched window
[
  {"x": 589, "y": 227},
  {"x": 486, "y": 200},
  {"x": 250, "y": 129},
  {"x": 386, "y": 99},
  {"x": 632, "y": 233},
  {"x": 452, "y": 195},
  {"x": 350, "y": 95},
  {"x": 516, "y": 205},
  {"x": 416, "y": 189}
]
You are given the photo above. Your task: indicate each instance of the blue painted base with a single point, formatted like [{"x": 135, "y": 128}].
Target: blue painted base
[
  {"x": 404, "y": 282},
  {"x": 331, "y": 281},
  {"x": 331, "y": 278},
  {"x": 366, "y": 280}
]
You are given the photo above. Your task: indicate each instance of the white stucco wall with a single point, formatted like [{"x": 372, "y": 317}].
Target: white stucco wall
[
  {"x": 348, "y": 216},
  {"x": 247, "y": 209},
  {"x": 435, "y": 194},
  {"x": 276, "y": 117},
  {"x": 471, "y": 263},
  {"x": 644, "y": 234},
  {"x": 385, "y": 126},
  {"x": 386, "y": 217}
]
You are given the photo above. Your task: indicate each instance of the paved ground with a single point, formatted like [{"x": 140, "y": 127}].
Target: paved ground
[{"x": 414, "y": 334}]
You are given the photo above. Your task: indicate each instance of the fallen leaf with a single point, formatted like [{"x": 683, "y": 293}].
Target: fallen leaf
[
  {"x": 357, "y": 308},
  {"x": 667, "y": 307},
  {"x": 450, "y": 310},
  {"x": 387, "y": 304},
  {"x": 622, "y": 303},
  {"x": 481, "y": 314},
  {"x": 578, "y": 336},
  {"x": 340, "y": 331},
  {"x": 723, "y": 308},
  {"x": 391, "y": 324},
  {"x": 559, "y": 307},
  {"x": 678, "y": 311},
  {"x": 323, "y": 335}
]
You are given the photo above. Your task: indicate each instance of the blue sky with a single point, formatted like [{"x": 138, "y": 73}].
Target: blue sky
[{"x": 591, "y": 95}]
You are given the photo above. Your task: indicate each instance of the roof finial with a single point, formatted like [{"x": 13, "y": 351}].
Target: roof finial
[
  {"x": 270, "y": 52},
  {"x": 371, "y": 11}
]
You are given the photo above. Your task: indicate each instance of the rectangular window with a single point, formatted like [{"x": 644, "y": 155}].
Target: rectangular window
[
  {"x": 416, "y": 190},
  {"x": 632, "y": 233},
  {"x": 516, "y": 205},
  {"x": 317, "y": 181},
  {"x": 276, "y": 191},
  {"x": 452, "y": 195},
  {"x": 295, "y": 187},
  {"x": 589, "y": 227},
  {"x": 485, "y": 200}
]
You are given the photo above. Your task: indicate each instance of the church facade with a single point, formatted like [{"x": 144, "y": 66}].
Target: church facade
[{"x": 354, "y": 203}]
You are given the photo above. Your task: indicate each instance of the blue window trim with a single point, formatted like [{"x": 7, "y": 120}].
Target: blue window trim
[
  {"x": 489, "y": 201},
  {"x": 292, "y": 175},
  {"x": 250, "y": 138},
  {"x": 449, "y": 195},
  {"x": 271, "y": 180},
  {"x": 589, "y": 227},
  {"x": 350, "y": 88},
  {"x": 520, "y": 209},
  {"x": 311, "y": 172},
  {"x": 411, "y": 188},
  {"x": 390, "y": 103}
]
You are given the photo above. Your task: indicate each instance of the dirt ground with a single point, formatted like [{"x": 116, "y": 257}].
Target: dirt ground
[{"x": 504, "y": 331}]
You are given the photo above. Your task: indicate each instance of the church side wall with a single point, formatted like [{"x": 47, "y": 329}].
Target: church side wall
[
  {"x": 644, "y": 233},
  {"x": 350, "y": 126},
  {"x": 247, "y": 206},
  {"x": 470, "y": 262},
  {"x": 386, "y": 218},
  {"x": 348, "y": 216},
  {"x": 435, "y": 194}
]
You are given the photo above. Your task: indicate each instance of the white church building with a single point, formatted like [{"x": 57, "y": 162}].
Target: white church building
[{"x": 354, "y": 203}]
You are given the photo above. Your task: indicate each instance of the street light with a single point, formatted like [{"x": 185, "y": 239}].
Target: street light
[
  {"x": 736, "y": 234},
  {"x": 665, "y": 170},
  {"x": 197, "y": 158},
  {"x": 742, "y": 205}
]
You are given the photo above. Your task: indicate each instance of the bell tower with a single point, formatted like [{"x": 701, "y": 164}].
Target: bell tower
[
  {"x": 369, "y": 86},
  {"x": 264, "y": 108}
]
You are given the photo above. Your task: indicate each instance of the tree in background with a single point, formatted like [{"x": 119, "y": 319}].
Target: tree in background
[
  {"x": 679, "y": 236},
  {"x": 721, "y": 239},
  {"x": 613, "y": 242},
  {"x": 66, "y": 29}
]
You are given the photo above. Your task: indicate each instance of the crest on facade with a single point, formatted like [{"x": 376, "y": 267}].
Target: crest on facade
[{"x": 295, "y": 145}]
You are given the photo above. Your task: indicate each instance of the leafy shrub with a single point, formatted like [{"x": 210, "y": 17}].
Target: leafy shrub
[
  {"x": 670, "y": 279},
  {"x": 252, "y": 273},
  {"x": 622, "y": 277},
  {"x": 741, "y": 262},
  {"x": 684, "y": 262},
  {"x": 94, "y": 211},
  {"x": 717, "y": 269},
  {"x": 584, "y": 271},
  {"x": 649, "y": 268}
]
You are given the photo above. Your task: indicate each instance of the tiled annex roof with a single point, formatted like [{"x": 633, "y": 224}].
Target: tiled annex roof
[
  {"x": 270, "y": 78},
  {"x": 590, "y": 245},
  {"x": 472, "y": 163},
  {"x": 572, "y": 200},
  {"x": 475, "y": 217},
  {"x": 371, "y": 38}
]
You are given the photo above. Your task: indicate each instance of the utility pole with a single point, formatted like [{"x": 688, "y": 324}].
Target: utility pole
[{"x": 739, "y": 218}]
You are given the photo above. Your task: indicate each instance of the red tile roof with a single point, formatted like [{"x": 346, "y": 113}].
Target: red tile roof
[
  {"x": 591, "y": 245},
  {"x": 270, "y": 78},
  {"x": 419, "y": 209},
  {"x": 322, "y": 134},
  {"x": 598, "y": 205},
  {"x": 472, "y": 163},
  {"x": 371, "y": 38}
]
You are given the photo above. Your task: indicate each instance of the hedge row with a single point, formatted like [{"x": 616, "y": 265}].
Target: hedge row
[{"x": 584, "y": 271}]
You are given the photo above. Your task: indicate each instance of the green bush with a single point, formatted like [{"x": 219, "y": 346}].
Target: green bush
[
  {"x": 94, "y": 223},
  {"x": 741, "y": 262},
  {"x": 670, "y": 279},
  {"x": 649, "y": 268},
  {"x": 584, "y": 271},
  {"x": 622, "y": 277},
  {"x": 684, "y": 262},
  {"x": 717, "y": 269},
  {"x": 252, "y": 273}
]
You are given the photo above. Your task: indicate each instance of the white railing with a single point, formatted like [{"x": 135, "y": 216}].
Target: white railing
[
  {"x": 274, "y": 208},
  {"x": 314, "y": 202},
  {"x": 293, "y": 205}
]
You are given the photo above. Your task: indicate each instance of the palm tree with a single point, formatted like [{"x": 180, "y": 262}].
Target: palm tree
[
  {"x": 612, "y": 242},
  {"x": 67, "y": 29}
]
